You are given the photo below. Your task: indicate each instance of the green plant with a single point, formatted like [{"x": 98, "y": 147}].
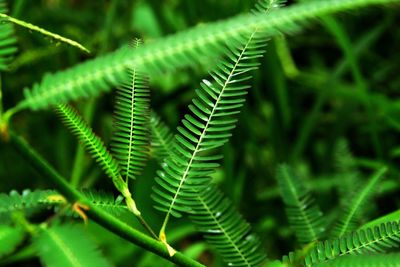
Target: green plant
[{"x": 46, "y": 223}]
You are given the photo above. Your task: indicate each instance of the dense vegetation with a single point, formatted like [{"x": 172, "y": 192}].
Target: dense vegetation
[{"x": 191, "y": 133}]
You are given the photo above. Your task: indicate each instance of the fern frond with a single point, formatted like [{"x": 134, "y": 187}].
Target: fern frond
[
  {"x": 28, "y": 202},
  {"x": 355, "y": 205},
  {"x": 303, "y": 214},
  {"x": 225, "y": 229},
  {"x": 66, "y": 246},
  {"x": 96, "y": 148},
  {"x": 130, "y": 143},
  {"x": 10, "y": 238},
  {"x": 206, "y": 128},
  {"x": 93, "y": 144},
  {"x": 7, "y": 40},
  {"x": 213, "y": 213},
  {"x": 161, "y": 138},
  {"x": 182, "y": 49},
  {"x": 379, "y": 260},
  {"x": 44, "y": 32},
  {"x": 370, "y": 240}
]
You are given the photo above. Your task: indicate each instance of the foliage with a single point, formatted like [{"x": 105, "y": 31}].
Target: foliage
[{"x": 288, "y": 134}]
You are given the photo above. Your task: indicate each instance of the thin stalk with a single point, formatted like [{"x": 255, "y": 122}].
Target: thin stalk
[{"x": 98, "y": 215}]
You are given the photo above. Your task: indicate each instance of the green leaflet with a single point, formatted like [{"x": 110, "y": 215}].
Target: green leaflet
[
  {"x": 90, "y": 141},
  {"x": 183, "y": 49},
  {"x": 28, "y": 202},
  {"x": 379, "y": 260},
  {"x": 99, "y": 152},
  {"x": 10, "y": 238},
  {"x": 68, "y": 246},
  {"x": 44, "y": 32},
  {"x": 7, "y": 40},
  {"x": 130, "y": 143},
  {"x": 355, "y": 205},
  {"x": 303, "y": 214},
  {"x": 367, "y": 241},
  {"x": 213, "y": 214},
  {"x": 225, "y": 229},
  {"x": 186, "y": 171}
]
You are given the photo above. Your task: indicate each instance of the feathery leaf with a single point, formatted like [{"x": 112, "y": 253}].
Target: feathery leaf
[
  {"x": 224, "y": 228},
  {"x": 355, "y": 205},
  {"x": 206, "y": 128},
  {"x": 182, "y": 49},
  {"x": 67, "y": 246},
  {"x": 303, "y": 214},
  {"x": 28, "y": 202},
  {"x": 370, "y": 240},
  {"x": 213, "y": 213},
  {"x": 130, "y": 143},
  {"x": 379, "y": 260},
  {"x": 47, "y": 33}
]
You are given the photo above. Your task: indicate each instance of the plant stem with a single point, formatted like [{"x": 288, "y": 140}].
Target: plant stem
[{"x": 101, "y": 217}]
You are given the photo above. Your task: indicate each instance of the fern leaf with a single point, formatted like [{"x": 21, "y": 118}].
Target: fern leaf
[
  {"x": 213, "y": 213},
  {"x": 44, "y": 32},
  {"x": 370, "y": 240},
  {"x": 303, "y": 214},
  {"x": 130, "y": 143},
  {"x": 355, "y": 205},
  {"x": 99, "y": 152},
  {"x": 379, "y": 260},
  {"x": 7, "y": 40},
  {"x": 10, "y": 238},
  {"x": 89, "y": 140},
  {"x": 29, "y": 202},
  {"x": 183, "y": 49},
  {"x": 187, "y": 170},
  {"x": 225, "y": 229},
  {"x": 161, "y": 138},
  {"x": 66, "y": 246}
]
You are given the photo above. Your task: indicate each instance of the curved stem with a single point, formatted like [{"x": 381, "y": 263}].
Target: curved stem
[{"x": 101, "y": 217}]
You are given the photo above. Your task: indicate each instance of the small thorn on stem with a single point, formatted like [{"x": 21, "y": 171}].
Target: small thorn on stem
[{"x": 77, "y": 207}]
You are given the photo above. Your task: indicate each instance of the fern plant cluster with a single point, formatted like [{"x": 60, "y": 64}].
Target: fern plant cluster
[{"x": 276, "y": 157}]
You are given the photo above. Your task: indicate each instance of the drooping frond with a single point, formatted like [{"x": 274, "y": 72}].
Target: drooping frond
[
  {"x": 130, "y": 143},
  {"x": 368, "y": 241},
  {"x": 96, "y": 148},
  {"x": 42, "y": 31},
  {"x": 66, "y": 246},
  {"x": 378, "y": 260},
  {"x": 183, "y": 49},
  {"x": 355, "y": 205},
  {"x": 186, "y": 171},
  {"x": 28, "y": 202},
  {"x": 161, "y": 138},
  {"x": 225, "y": 229},
  {"x": 303, "y": 214},
  {"x": 10, "y": 238},
  {"x": 7, "y": 40}
]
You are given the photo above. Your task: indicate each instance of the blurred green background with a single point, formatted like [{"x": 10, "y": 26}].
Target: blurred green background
[{"x": 335, "y": 83}]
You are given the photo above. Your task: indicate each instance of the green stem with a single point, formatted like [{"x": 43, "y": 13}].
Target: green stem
[{"x": 101, "y": 217}]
